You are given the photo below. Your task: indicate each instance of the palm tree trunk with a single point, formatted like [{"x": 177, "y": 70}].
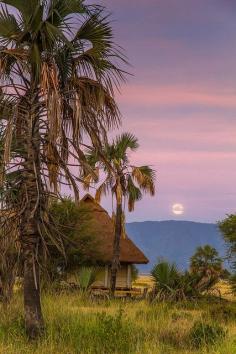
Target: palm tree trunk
[
  {"x": 33, "y": 313},
  {"x": 29, "y": 231},
  {"x": 30, "y": 242},
  {"x": 116, "y": 246}
]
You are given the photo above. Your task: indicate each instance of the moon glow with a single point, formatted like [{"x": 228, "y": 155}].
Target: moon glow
[{"x": 178, "y": 209}]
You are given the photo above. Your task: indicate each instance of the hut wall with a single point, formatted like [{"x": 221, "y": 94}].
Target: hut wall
[
  {"x": 123, "y": 279},
  {"x": 100, "y": 278}
]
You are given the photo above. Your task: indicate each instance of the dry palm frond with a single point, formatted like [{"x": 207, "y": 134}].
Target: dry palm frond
[
  {"x": 87, "y": 181},
  {"x": 8, "y": 142},
  {"x": 101, "y": 190},
  {"x": 137, "y": 174},
  {"x": 123, "y": 231}
]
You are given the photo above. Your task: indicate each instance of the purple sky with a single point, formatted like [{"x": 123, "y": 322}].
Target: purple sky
[{"x": 181, "y": 102}]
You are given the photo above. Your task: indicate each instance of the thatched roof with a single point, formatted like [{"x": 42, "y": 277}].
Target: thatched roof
[{"x": 104, "y": 232}]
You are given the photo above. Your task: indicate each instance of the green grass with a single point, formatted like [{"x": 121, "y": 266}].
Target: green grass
[{"x": 76, "y": 325}]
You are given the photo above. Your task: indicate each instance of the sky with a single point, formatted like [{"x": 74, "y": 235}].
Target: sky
[{"x": 181, "y": 102}]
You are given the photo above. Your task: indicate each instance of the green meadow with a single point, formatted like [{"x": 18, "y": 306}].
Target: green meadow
[{"x": 76, "y": 324}]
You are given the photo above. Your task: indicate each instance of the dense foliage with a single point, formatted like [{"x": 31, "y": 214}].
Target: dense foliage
[
  {"x": 206, "y": 261},
  {"x": 228, "y": 230},
  {"x": 79, "y": 244}
]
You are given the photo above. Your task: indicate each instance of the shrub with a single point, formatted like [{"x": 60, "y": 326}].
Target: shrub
[
  {"x": 171, "y": 284},
  {"x": 167, "y": 280},
  {"x": 223, "y": 312},
  {"x": 206, "y": 334},
  {"x": 232, "y": 281},
  {"x": 114, "y": 333}
]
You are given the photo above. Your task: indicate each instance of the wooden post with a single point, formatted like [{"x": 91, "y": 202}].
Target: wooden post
[
  {"x": 129, "y": 277},
  {"x": 106, "y": 276}
]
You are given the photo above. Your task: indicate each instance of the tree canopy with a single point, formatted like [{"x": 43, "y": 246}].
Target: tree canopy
[
  {"x": 228, "y": 230},
  {"x": 206, "y": 261},
  {"x": 77, "y": 234}
]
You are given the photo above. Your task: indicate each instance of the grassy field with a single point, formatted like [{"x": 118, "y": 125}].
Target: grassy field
[{"x": 75, "y": 324}]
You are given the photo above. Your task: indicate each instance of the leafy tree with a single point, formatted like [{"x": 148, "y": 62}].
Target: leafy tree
[
  {"x": 228, "y": 230},
  {"x": 206, "y": 262},
  {"x": 57, "y": 71},
  {"x": 124, "y": 180},
  {"x": 73, "y": 227},
  {"x": 207, "y": 265}
]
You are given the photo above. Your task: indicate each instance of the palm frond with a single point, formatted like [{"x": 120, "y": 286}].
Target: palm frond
[
  {"x": 9, "y": 27},
  {"x": 98, "y": 59},
  {"x": 134, "y": 194},
  {"x": 96, "y": 104},
  {"x": 26, "y": 11},
  {"x": 145, "y": 177},
  {"x": 60, "y": 9},
  {"x": 123, "y": 143},
  {"x": 103, "y": 189}
]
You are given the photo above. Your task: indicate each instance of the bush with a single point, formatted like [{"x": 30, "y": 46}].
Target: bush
[
  {"x": 114, "y": 333},
  {"x": 206, "y": 334},
  {"x": 171, "y": 284},
  {"x": 232, "y": 281},
  {"x": 223, "y": 312}
]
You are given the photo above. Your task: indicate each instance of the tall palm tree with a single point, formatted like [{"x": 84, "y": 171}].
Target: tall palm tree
[
  {"x": 125, "y": 181},
  {"x": 206, "y": 261},
  {"x": 57, "y": 71}
]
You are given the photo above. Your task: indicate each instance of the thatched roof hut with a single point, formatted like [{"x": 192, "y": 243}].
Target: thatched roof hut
[{"x": 103, "y": 230}]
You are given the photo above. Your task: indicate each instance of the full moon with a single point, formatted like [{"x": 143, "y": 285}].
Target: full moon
[{"x": 178, "y": 209}]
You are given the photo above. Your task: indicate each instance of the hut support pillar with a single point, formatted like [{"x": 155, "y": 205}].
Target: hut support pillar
[
  {"x": 129, "y": 277},
  {"x": 106, "y": 283}
]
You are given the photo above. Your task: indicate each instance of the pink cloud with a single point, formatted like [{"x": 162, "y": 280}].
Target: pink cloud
[
  {"x": 192, "y": 132},
  {"x": 176, "y": 95}
]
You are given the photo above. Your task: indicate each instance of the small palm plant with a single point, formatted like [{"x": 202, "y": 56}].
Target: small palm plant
[
  {"x": 86, "y": 277},
  {"x": 167, "y": 280},
  {"x": 124, "y": 180}
]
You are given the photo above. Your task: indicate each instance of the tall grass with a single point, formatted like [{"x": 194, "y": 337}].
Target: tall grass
[{"x": 76, "y": 325}]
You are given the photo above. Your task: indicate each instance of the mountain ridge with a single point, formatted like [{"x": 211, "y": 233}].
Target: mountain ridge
[{"x": 174, "y": 240}]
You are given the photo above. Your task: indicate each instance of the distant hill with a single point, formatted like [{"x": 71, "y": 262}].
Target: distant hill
[{"x": 175, "y": 241}]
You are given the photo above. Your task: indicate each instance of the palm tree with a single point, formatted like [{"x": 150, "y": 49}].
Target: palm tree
[
  {"x": 125, "y": 181},
  {"x": 57, "y": 83},
  {"x": 206, "y": 262}
]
